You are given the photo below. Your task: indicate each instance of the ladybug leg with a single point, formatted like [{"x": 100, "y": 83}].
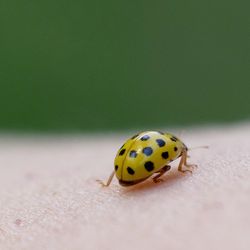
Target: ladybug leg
[
  {"x": 189, "y": 165},
  {"x": 108, "y": 181},
  {"x": 157, "y": 179},
  {"x": 183, "y": 162}
]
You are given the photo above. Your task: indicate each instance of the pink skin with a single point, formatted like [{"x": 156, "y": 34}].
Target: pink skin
[{"x": 62, "y": 206}]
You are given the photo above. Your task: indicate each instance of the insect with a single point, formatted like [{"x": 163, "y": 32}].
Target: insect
[{"x": 146, "y": 154}]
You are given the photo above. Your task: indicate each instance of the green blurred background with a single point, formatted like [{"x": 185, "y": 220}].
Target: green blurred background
[{"x": 95, "y": 65}]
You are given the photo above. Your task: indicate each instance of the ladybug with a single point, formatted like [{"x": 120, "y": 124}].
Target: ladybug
[{"x": 146, "y": 154}]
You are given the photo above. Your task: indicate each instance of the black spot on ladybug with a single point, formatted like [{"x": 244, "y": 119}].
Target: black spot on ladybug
[
  {"x": 173, "y": 138},
  {"x": 130, "y": 170},
  {"x": 122, "y": 151},
  {"x": 133, "y": 154},
  {"x": 160, "y": 142},
  {"x": 116, "y": 167},
  {"x": 145, "y": 138},
  {"x": 147, "y": 151},
  {"x": 175, "y": 148},
  {"x": 133, "y": 137},
  {"x": 165, "y": 155},
  {"x": 149, "y": 166}
]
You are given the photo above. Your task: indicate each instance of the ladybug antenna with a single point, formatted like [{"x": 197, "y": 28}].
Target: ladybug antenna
[{"x": 205, "y": 146}]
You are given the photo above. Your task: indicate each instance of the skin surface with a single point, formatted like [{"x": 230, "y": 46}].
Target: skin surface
[{"x": 49, "y": 197}]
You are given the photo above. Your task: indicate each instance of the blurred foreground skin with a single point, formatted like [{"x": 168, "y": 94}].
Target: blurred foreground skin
[
  {"x": 49, "y": 198},
  {"x": 148, "y": 153}
]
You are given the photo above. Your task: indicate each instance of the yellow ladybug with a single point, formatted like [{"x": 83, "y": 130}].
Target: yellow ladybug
[{"x": 146, "y": 154}]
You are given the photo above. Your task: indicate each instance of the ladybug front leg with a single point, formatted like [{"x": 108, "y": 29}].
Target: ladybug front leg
[
  {"x": 189, "y": 165},
  {"x": 108, "y": 181},
  {"x": 161, "y": 172},
  {"x": 183, "y": 162}
]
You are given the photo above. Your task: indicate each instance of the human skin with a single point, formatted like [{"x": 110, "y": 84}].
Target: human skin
[{"x": 49, "y": 197}]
